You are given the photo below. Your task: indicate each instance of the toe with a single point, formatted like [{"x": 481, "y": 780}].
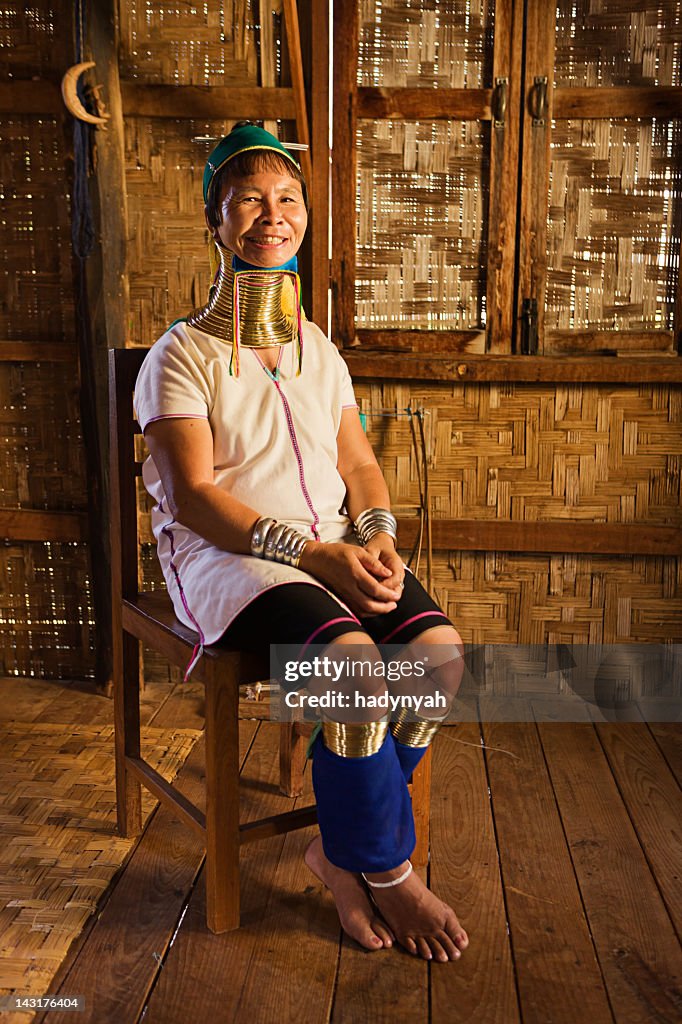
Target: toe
[
  {"x": 383, "y": 931},
  {"x": 454, "y": 929},
  {"x": 438, "y": 951},
  {"x": 369, "y": 940},
  {"x": 410, "y": 945},
  {"x": 424, "y": 949},
  {"x": 448, "y": 945}
]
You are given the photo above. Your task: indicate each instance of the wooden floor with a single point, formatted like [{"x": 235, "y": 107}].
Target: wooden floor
[{"x": 559, "y": 845}]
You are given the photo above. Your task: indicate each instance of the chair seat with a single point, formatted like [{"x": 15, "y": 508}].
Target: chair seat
[{"x": 151, "y": 618}]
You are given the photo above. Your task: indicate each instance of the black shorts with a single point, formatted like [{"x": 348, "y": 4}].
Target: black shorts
[{"x": 301, "y": 613}]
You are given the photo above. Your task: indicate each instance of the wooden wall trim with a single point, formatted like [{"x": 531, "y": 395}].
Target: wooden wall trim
[
  {"x": 467, "y": 369},
  {"x": 555, "y": 537},
  {"x": 619, "y": 101},
  {"x": 38, "y": 352},
  {"x": 25, "y": 524},
  {"x": 27, "y": 97},
  {"x": 207, "y": 101},
  {"x": 425, "y": 104}
]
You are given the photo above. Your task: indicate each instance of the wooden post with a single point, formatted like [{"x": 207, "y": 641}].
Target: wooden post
[
  {"x": 105, "y": 314},
  {"x": 314, "y": 25},
  {"x": 344, "y": 171}
]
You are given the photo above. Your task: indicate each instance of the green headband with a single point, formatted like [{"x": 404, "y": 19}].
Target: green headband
[{"x": 248, "y": 136}]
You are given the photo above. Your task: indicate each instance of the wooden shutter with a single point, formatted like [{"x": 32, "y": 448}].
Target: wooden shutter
[
  {"x": 426, "y": 109},
  {"x": 602, "y": 179}
]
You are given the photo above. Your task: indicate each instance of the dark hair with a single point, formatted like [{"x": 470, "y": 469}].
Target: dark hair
[{"x": 241, "y": 166}]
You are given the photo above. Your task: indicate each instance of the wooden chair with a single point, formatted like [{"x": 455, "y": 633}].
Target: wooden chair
[{"x": 149, "y": 617}]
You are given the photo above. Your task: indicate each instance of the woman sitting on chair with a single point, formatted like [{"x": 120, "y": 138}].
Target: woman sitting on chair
[{"x": 273, "y": 526}]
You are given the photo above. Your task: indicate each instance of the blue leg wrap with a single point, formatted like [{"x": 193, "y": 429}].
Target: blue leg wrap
[
  {"x": 409, "y": 757},
  {"x": 363, "y": 808}
]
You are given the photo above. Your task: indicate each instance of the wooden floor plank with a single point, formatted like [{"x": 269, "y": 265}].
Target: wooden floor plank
[
  {"x": 637, "y": 947},
  {"x": 668, "y": 736},
  {"x": 654, "y": 802},
  {"x": 120, "y": 960},
  {"x": 204, "y": 974},
  {"x": 25, "y": 700},
  {"x": 381, "y": 986},
  {"x": 464, "y": 871},
  {"x": 292, "y": 968},
  {"x": 555, "y": 962}
]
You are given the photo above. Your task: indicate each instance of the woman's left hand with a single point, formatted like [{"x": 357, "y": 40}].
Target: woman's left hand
[{"x": 382, "y": 547}]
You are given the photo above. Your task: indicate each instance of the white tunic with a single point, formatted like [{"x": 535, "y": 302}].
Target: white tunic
[{"x": 274, "y": 448}]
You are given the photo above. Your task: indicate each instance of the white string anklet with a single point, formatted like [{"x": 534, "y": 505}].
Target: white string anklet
[{"x": 387, "y": 885}]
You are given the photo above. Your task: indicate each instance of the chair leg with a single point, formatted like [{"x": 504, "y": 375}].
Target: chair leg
[
  {"x": 421, "y": 808},
  {"x": 292, "y": 744},
  {"x": 126, "y": 674},
  {"x": 222, "y": 800}
]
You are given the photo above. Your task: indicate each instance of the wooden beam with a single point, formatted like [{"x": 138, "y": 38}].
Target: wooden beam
[
  {"x": 27, "y": 524},
  {"x": 38, "y": 352},
  {"x": 425, "y": 104},
  {"x": 505, "y": 369},
  {"x": 554, "y": 537},
  {"x": 207, "y": 101},
  {"x": 596, "y": 342},
  {"x": 619, "y": 101},
  {"x": 29, "y": 96},
  {"x": 438, "y": 342}
]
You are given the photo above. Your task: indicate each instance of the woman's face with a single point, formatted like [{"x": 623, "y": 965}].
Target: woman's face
[{"x": 263, "y": 218}]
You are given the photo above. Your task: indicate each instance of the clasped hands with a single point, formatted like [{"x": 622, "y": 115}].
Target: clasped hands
[{"x": 369, "y": 579}]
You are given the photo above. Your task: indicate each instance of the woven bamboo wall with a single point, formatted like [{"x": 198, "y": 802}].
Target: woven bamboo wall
[
  {"x": 608, "y": 42},
  {"x": 432, "y": 43},
  {"x": 216, "y": 43},
  {"x": 421, "y": 230},
  {"x": 614, "y": 226},
  {"x": 421, "y": 237},
  {"x": 537, "y": 453},
  {"x": 45, "y": 607}
]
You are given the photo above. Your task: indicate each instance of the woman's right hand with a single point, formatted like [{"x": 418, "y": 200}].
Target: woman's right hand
[{"x": 352, "y": 573}]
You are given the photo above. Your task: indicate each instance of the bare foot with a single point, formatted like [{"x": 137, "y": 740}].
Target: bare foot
[
  {"x": 421, "y": 922},
  {"x": 358, "y": 916}
]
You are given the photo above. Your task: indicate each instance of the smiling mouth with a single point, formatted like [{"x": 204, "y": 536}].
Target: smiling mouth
[{"x": 267, "y": 241}]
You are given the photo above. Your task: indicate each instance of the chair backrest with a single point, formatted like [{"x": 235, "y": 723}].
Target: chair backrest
[{"x": 124, "y": 366}]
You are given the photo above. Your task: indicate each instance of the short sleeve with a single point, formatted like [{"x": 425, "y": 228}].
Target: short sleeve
[{"x": 173, "y": 381}]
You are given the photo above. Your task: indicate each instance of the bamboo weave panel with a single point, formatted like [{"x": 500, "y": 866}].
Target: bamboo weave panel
[
  {"x": 426, "y": 43},
  {"x": 422, "y": 203},
  {"x": 614, "y": 228},
  {"x": 167, "y": 250},
  {"x": 574, "y": 599},
  {"x": 529, "y": 452},
  {"x": 34, "y": 38},
  {"x": 608, "y": 42},
  {"x": 212, "y": 43},
  {"x": 526, "y": 452},
  {"x": 36, "y": 286},
  {"x": 41, "y": 458},
  {"x": 46, "y": 615}
]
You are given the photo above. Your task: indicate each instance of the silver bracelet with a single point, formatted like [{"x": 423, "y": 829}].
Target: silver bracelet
[
  {"x": 260, "y": 532},
  {"x": 373, "y": 521},
  {"x": 277, "y": 542}
]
